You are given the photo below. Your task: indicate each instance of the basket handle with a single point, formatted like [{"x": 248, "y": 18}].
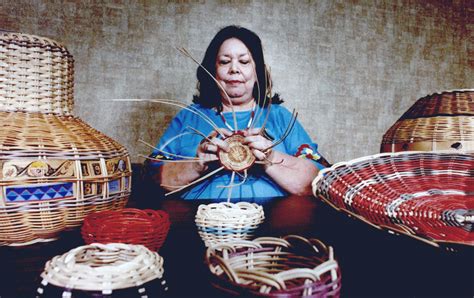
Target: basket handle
[{"x": 215, "y": 259}]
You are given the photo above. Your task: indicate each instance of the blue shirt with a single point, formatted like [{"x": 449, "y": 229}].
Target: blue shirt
[{"x": 258, "y": 186}]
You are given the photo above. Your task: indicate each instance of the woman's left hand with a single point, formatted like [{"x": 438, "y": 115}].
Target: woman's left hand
[{"x": 258, "y": 143}]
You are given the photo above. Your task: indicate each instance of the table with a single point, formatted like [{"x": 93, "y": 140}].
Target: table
[{"x": 373, "y": 262}]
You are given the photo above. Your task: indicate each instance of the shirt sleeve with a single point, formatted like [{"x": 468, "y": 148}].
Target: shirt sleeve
[
  {"x": 299, "y": 143},
  {"x": 168, "y": 147}
]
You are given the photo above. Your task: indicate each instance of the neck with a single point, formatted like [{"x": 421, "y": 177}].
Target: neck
[{"x": 249, "y": 105}]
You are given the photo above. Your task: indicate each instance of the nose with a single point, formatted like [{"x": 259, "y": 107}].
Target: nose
[{"x": 234, "y": 68}]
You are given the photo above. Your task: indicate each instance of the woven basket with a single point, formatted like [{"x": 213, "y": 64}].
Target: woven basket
[
  {"x": 133, "y": 226},
  {"x": 441, "y": 121},
  {"x": 54, "y": 168},
  {"x": 101, "y": 269},
  {"x": 429, "y": 196},
  {"x": 291, "y": 266},
  {"x": 224, "y": 222}
]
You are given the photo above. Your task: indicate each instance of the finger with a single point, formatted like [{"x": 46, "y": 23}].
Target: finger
[
  {"x": 259, "y": 154},
  {"x": 226, "y": 132},
  {"x": 209, "y": 147},
  {"x": 210, "y": 157},
  {"x": 252, "y": 131},
  {"x": 221, "y": 144},
  {"x": 254, "y": 139},
  {"x": 213, "y": 134}
]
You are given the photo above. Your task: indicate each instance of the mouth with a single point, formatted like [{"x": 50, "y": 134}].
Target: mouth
[{"x": 233, "y": 82}]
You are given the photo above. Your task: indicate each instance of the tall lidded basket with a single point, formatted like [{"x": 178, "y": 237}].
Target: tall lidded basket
[
  {"x": 437, "y": 122},
  {"x": 54, "y": 168}
]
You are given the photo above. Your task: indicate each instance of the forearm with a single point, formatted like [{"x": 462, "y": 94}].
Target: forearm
[
  {"x": 293, "y": 174},
  {"x": 173, "y": 175}
]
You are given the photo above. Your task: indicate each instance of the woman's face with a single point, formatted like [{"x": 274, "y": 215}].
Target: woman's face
[{"x": 235, "y": 71}]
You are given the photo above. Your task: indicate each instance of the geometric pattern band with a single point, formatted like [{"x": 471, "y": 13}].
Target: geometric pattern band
[{"x": 39, "y": 192}]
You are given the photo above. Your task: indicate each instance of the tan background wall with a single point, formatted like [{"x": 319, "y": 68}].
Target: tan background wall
[{"x": 350, "y": 68}]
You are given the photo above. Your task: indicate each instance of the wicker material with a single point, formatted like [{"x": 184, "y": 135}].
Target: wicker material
[
  {"x": 437, "y": 122},
  {"x": 224, "y": 222},
  {"x": 291, "y": 266},
  {"x": 429, "y": 196},
  {"x": 103, "y": 268},
  {"x": 133, "y": 226},
  {"x": 54, "y": 168},
  {"x": 36, "y": 75}
]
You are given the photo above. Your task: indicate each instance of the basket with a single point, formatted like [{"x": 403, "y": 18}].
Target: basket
[
  {"x": 102, "y": 269},
  {"x": 291, "y": 266},
  {"x": 54, "y": 168},
  {"x": 224, "y": 222},
  {"x": 426, "y": 195},
  {"x": 133, "y": 226},
  {"x": 441, "y": 121}
]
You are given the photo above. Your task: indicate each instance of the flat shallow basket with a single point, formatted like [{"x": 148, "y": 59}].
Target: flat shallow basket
[
  {"x": 54, "y": 168},
  {"x": 223, "y": 222},
  {"x": 101, "y": 269},
  {"x": 291, "y": 266},
  {"x": 426, "y": 195},
  {"x": 441, "y": 121},
  {"x": 133, "y": 226}
]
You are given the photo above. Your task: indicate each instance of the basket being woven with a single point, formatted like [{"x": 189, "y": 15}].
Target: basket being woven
[
  {"x": 426, "y": 195},
  {"x": 103, "y": 268},
  {"x": 291, "y": 266},
  {"x": 133, "y": 226},
  {"x": 223, "y": 222},
  {"x": 54, "y": 168},
  {"x": 441, "y": 121}
]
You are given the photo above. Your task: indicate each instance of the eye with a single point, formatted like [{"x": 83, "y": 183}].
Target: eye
[
  {"x": 246, "y": 61},
  {"x": 223, "y": 61}
]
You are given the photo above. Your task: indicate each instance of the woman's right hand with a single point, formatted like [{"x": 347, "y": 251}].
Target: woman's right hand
[{"x": 208, "y": 148}]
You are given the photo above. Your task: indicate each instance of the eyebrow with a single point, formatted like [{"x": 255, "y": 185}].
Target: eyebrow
[{"x": 241, "y": 55}]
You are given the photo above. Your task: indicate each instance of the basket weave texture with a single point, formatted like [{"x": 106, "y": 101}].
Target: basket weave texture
[
  {"x": 426, "y": 195},
  {"x": 103, "y": 268},
  {"x": 441, "y": 121},
  {"x": 36, "y": 75},
  {"x": 133, "y": 226},
  {"x": 54, "y": 168},
  {"x": 291, "y": 266},
  {"x": 224, "y": 222}
]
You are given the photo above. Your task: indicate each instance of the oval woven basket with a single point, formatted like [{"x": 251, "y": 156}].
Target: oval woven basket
[
  {"x": 441, "y": 121},
  {"x": 54, "y": 168},
  {"x": 291, "y": 266},
  {"x": 426, "y": 195},
  {"x": 223, "y": 222},
  {"x": 133, "y": 226},
  {"x": 101, "y": 269}
]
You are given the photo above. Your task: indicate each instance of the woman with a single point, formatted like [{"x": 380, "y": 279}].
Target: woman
[{"x": 235, "y": 59}]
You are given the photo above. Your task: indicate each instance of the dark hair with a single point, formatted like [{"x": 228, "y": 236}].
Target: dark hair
[{"x": 209, "y": 95}]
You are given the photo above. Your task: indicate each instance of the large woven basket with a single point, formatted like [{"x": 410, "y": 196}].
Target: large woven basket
[
  {"x": 441, "y": 121},
  {"x": 129, "y": 225},
  {"x": 426, "y": 195},
  {"x": 291, "y": 266},
  {"x": 101, "y": 270},
  {"x": 54, "y": 168},
  {"x": 224, "y": 222}
]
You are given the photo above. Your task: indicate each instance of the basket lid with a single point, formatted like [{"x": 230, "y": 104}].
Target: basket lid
[
  {"x": 36, "y": 75},
  {"x": 440, "y": 121}
]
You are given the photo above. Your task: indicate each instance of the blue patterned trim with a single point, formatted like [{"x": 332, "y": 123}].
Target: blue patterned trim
[{"x": 39, "y": 192}]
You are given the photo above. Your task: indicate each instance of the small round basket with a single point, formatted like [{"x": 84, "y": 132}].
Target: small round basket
[
  {"x": 291, "y": 266},
  {"x": 425, "y": 195},
  {"x": 99, "y": 270},
  {"x": 440, "y": 121},
  {"x": 223, "y": 222},
  {"x": 133, "y": 226}
]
